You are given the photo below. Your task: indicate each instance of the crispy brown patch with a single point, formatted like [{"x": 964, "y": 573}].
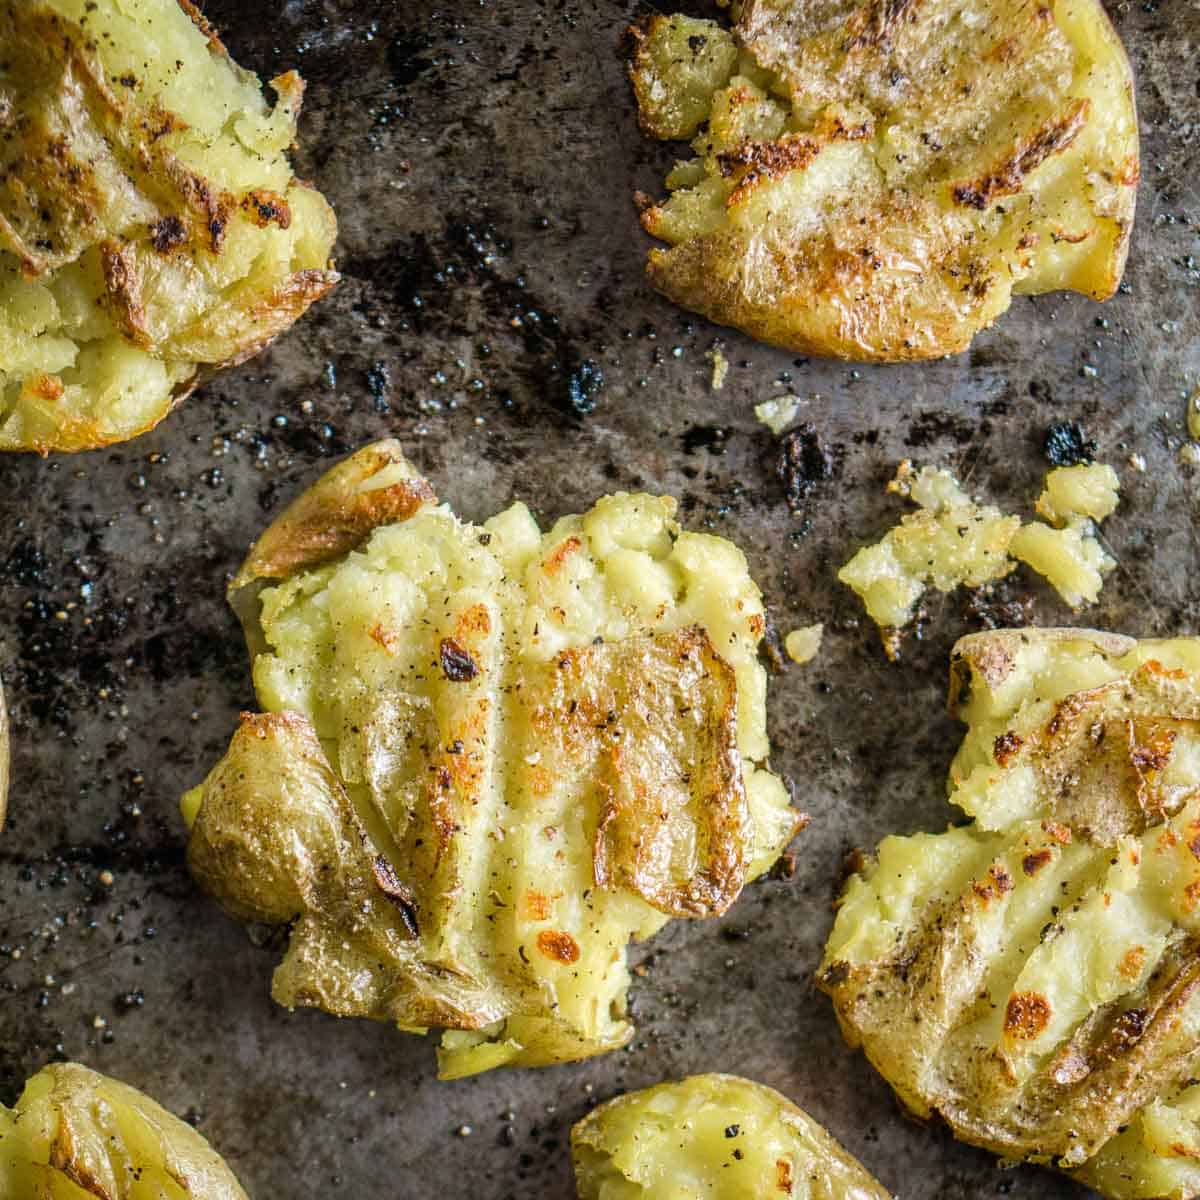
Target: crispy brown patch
[
  {"x": 335, "y": 516},
  {"x": 783, "y": 1176},
  {"x": 535, "y": 905},
  {"x": 474, "y": 621},
  {"x": 384, "y": 637},
  {"x": 123, "y": 292},
  {"x": 1007, "y": 178},
  {"x": 201, "y": 22},
  {"x": 66, "y": 1158},
  {"x": 1132, "y": 962},
  {"x": 265, "y": 207},
  {"x": 560, "y": 554},
  {"x": 457, "y": 664},
  {"x": 1150, "y": 745},
  {"x": 391, "y": 885},
  {"x": 1026, "y": 1015},
  {"x": 998, "y": 883},
  {"x": 167, "y": 234},
  {"x": 559, "y": 946},
  {"x": 1031, "y": 864},
  {"x": 1057, "y": 832},
  {"x": 873, "y": 25},
  {"x": 44, "y": 386},
  {"x": 1006, "y": 746}
]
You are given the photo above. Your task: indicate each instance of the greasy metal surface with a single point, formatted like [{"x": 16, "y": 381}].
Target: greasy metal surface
[{"x": 481, "y": 155}]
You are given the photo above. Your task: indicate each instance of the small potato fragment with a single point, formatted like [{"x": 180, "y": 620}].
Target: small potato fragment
[
  {"x": 711, "y": 1137},
  {"x": 488, "y": 758},
  {"x": 874, "y": 181},
  {"x": 75, "y": 1133},
  {"x": 1032, "y": 977},
  {"x": 151, "y": 228}
]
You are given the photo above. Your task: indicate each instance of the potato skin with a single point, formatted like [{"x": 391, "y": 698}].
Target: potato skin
[
  {"x": 76, "y": 1132},
  {"x": 1033, "y": 977},
  {"x": 143, "y": 243},
  {"x": 645, "y": 1144},
  {"x": 489, "y": 758},
  {"x": 875, "y": 187}
]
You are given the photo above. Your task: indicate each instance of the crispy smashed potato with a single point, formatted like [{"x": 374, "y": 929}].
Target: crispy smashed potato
[
  {"x": 711, "y": 1137},
  {"x": 150, "y": 225},
  {"x": 874, "y": 180},
  {"x": 488, "y": 758},
  {"x": 76, "y": 1134},
  {"x": 1033, "y": 977}
]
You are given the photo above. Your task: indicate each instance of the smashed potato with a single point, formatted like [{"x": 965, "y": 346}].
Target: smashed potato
[
  {"x": 150, "y": 225},
  {"x": 711, "y": 1137},
  {"x": 488, "y": 758},
  {"x": 873, "y": 181},
  {"x": 1032, "y": 976},
  {"x": 75, "y": 1133}
]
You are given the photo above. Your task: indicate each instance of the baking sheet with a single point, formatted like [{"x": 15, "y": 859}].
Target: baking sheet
[{"x": 482, "y": 156}]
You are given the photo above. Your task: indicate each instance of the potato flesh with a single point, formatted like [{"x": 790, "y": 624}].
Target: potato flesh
[
  {"x": 150, "y": 224},
  {"x": 711, "y": 1137},
  {"x": 597, "y": 766},
  {"x": 954, "y": 541},
  {"x": 948, "y": 542},
  {"x": 76, "y": 1134},
  {"x": 876, "y": 182},
  {"x": 1046, "y": 945}
]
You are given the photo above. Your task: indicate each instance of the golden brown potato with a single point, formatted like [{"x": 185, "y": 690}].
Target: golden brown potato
[
  {"x": 488, "y": 758},
  {"x": 76, "y": 1134},
  {"x": 875, "y": 178},
  {"x": 711, "y": 1137},
  {"x": 150, "y": 225},
  {"x": 1032, "y": 977}
]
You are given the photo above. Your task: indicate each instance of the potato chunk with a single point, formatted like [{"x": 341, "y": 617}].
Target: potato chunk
[
  {"x": 1032, "y": 976},
  {"x": 75, "y": 1133},
  {"x": 489, "y": 757},
  {"x": 873, "y": 181},
  {"x": 711, "y": 1137},
  {"x": 150, "y": 224}
]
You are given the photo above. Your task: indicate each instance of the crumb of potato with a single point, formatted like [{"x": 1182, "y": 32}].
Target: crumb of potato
[
  {"x": 1189, "y": 454},
  {"x": 777, "y": 413},
  {"x": 1070, "y": 494},
  {"x": 1193, "y": 415},
  {"x": 720, "y": 367},
  {"x": 803, "y": 645},
  {"x": 953, "y": 540},
  {"x": 1138, "y": 463}
]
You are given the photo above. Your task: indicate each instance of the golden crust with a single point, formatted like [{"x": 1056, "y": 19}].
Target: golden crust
[
  {"x": 336, "y": 515},
  {"x": 914, "y": 172},
  {"x": 1039, "y": 988},
  {"x": 126, "y": 226},
  {"x": 75, "y": 1131},
  {"x": 462, "y": 826}
]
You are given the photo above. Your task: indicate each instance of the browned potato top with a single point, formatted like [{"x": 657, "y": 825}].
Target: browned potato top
[
  {"x": 874, "y": 180},
  {"x": 151, "y": 228},
  {"x": 1033, "y": 977},
  {"x": 489, "y": 757}
]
